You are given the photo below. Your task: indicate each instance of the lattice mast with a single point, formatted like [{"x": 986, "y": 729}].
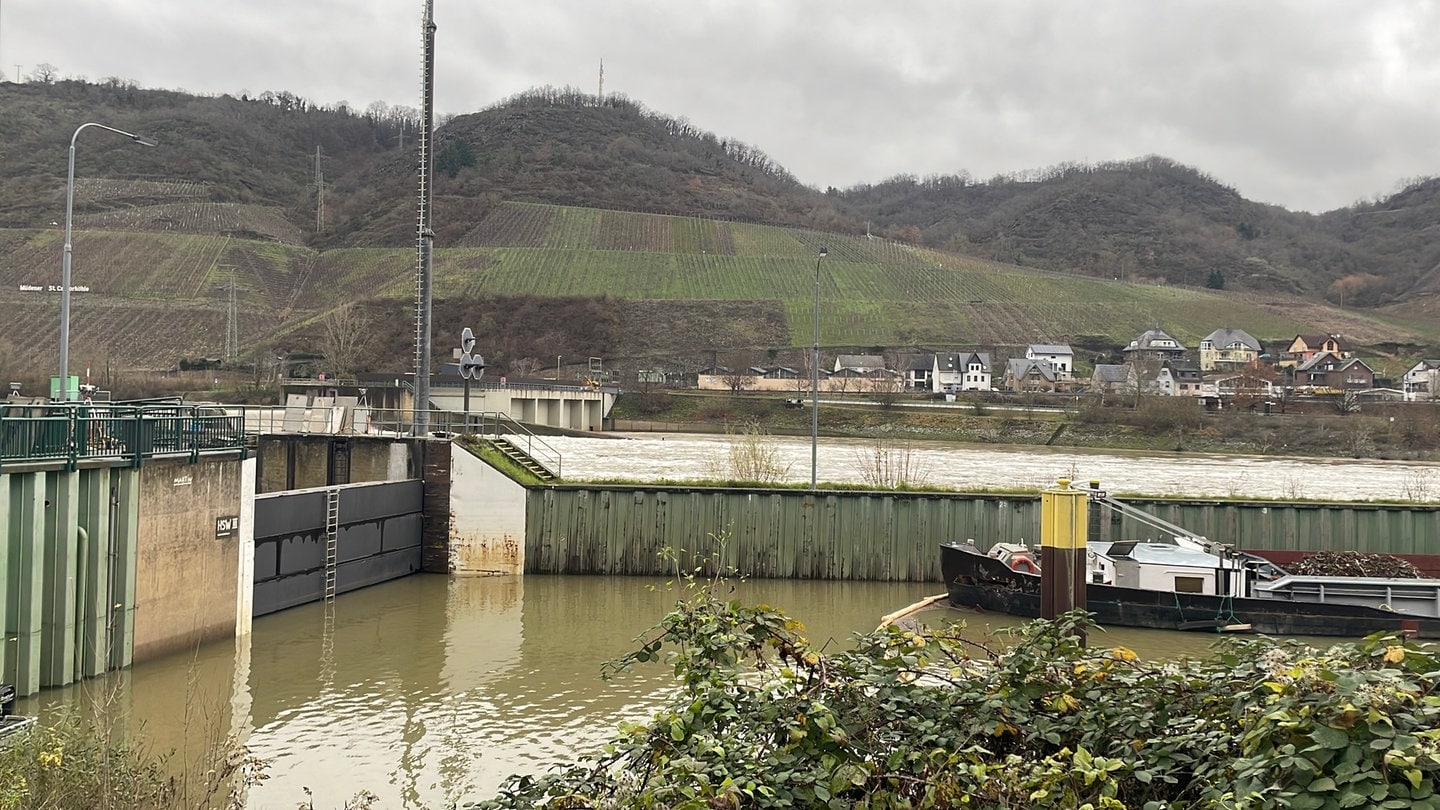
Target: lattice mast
[
  {"x": 424, "y": 235},
  {"x": 232, "y": 331},
  {"x": 319, "y": 194},
  {"x": 600, "y": 92}
]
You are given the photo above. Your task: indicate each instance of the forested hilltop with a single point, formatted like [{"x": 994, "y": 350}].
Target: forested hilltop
[
  {"x": 1148, "y": 219},
  {"x": 645, "y": 222}
]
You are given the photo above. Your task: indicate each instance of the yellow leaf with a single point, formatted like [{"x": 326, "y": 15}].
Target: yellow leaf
[{"x": 1394, "y": 654}]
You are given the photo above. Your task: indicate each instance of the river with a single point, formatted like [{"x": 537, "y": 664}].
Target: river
[
  {"x": 680, "y": 457},
  {"x": 428, "y": 690}
]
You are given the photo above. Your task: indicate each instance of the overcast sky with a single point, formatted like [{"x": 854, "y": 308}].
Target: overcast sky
[{"x": 1310, "y": 105}]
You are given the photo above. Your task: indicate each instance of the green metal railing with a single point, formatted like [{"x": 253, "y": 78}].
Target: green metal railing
[{"x": 72, "y": 432}]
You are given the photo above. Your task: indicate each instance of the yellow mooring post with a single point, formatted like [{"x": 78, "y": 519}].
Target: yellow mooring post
[{"x": 1064, "y": 519}]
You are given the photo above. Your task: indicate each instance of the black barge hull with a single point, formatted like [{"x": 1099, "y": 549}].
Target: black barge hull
[{"x": 977, "y": 581}]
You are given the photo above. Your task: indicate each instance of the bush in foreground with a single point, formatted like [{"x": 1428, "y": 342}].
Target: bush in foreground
[{"x": 928, "y": 719}]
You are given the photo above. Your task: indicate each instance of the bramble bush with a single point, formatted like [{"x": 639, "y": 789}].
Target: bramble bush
[{"x": 906, "y": 719}]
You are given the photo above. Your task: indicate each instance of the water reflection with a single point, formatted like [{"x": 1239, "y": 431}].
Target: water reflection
[{"x": 428, "y": 690}]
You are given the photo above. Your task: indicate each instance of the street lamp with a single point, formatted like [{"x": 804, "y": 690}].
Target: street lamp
[
  {"x": 815, "y": 378},
  {"x": 143, "y": 140}
]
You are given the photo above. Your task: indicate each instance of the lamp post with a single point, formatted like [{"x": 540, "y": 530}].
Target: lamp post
[
  {"x": 143, "y": 140},
  {"x": 815, "y": 379}
]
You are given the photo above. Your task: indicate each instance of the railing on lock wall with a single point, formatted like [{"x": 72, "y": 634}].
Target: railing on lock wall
[{"x": 75, "y": 432}]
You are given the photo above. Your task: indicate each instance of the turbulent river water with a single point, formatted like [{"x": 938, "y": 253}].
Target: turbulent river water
[{"x": 979, "y": 467}]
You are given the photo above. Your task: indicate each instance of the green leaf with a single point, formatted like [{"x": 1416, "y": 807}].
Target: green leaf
[
  {"x": 1330, "y": 738},
  {"x": 1324, "y": 783}
]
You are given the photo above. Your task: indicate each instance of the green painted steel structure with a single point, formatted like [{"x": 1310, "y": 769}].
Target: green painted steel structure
[
  {"x": 894, "y": 536},
  {"x": 71, "y": 433},
  {"x": 68, "y": 570}
]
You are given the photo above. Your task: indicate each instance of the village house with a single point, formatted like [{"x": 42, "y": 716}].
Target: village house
[
  {"x": 1325, "y": 370},
  {"x": 1305, "y": 347},
  {"x": 1023, "y": 374},
  {"x": 1422, "y": 381},
  {"x": 1240, "y": 386},
  {"x": 1227, "y": 350},
  {"x": 1058, "y": 355},
  {"x": 1154, "y": 344},
  {"x": 1177, "y": 378},
  {"x": 917, "y": 369},
  {"x": 859, "y": 364},
  {"x": 964, "y": 371},
  {"x": 1113, "y": 378}
]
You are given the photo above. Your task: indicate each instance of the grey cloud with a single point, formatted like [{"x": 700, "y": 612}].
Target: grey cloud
[{"x": 1309, "y": 105}]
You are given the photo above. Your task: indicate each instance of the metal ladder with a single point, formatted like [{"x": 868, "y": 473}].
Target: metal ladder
[{"x": 332, "y": 539}]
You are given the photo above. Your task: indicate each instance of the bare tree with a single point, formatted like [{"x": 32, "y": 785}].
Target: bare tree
[
  {"x": 802, "y": 377},
  {"x": 751, "y": 456},
  {"x": 345, "y": 338},
  {"x": 1347, "y": 401},
  {"x": 1254, "y": 384},
  {"x": 890, "y": 464},
  {"x": 523, "y": 366},
  {"x": 739, "y": 376},
  {"x": 886, "y": 388},
  {"x": 45, "y": 73}
]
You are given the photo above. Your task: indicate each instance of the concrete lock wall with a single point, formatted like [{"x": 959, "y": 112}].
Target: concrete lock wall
[
  {"x": 185, "y": 586},
  {"x": 487, "y": 518},
  {"x": 304, "y": 461}
]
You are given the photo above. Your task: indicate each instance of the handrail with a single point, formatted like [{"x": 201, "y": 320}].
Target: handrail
[
  {"x": 75, "y": 431},
  {"x": 386, "y": 422},
  {"x": 534, "y": 446}
]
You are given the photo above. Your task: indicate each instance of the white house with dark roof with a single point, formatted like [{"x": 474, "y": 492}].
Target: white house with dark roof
[
  {"x": 1059, "y": 355},
  {"x": 1177, "y": 378},
  {"x": 1422, "y": 381},
  {"x": 1154, "y": 343},
  {"x": 1228, "y": 349},
  {"x": 962, "y": 371}
]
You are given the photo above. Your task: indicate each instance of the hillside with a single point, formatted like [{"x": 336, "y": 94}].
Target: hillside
[
  {"x": 1151, "y": 219},
  {"x": 638, "y": 289},
  {"x": 571, "y": 228}
]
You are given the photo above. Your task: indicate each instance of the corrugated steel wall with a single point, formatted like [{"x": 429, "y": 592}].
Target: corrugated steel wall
[
  {"x": 893, "y": 536},
  {"x": 1371, "y": 528}
]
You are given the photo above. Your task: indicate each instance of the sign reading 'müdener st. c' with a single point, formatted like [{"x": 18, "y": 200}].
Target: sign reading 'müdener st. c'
[{"x": 74, "y": 288}]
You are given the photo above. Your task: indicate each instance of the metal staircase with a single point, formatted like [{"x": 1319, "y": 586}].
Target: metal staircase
[{"x": 512, "y": 451}]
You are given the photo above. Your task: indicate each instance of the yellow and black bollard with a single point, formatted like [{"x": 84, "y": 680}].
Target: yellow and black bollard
[{"x": 1064, "y": 519}]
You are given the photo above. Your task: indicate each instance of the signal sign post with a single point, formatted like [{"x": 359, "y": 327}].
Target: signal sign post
[{"x": 472, "y": 366}]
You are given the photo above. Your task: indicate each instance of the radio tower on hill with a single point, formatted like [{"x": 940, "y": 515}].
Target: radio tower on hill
[{"x": 600, "y": 95}]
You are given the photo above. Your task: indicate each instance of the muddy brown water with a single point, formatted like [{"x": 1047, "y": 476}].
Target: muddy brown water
[{"x": 428, "y": 690}]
